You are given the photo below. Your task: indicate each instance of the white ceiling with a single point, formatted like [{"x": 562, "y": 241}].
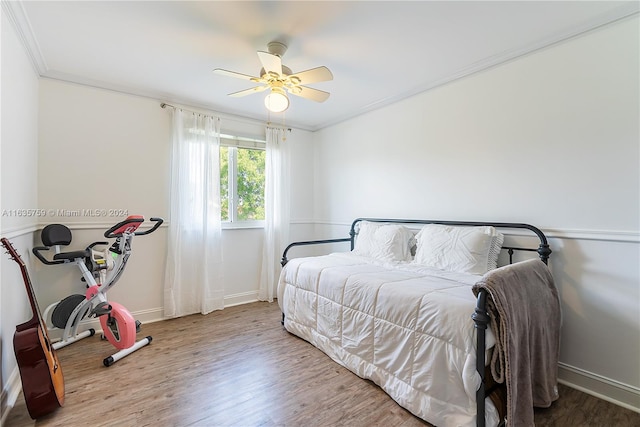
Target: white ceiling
[{"x": 379, "y": 52}]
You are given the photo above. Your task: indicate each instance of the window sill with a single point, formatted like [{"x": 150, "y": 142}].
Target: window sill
[{"x": 242, "y": 225}]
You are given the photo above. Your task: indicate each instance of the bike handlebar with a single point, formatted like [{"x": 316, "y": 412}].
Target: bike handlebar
[
  {"x": 158, "y": 223},
  {"x": 133, "y": 221}
]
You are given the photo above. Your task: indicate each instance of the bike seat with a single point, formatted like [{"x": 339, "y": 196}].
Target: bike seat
[{"x": 72, "y": 255}]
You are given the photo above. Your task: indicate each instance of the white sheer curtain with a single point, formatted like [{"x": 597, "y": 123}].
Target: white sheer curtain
[
  {"x": 193, "y": 275},
  {"x": 277, "y": 212}
]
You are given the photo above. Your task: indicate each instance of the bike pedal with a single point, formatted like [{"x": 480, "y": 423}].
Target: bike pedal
[
  {"x": 138, "y": 324},
  {"x": 101, "y": 309}
]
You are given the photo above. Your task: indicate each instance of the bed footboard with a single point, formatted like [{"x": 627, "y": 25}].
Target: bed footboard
[{"x": 481, "y": 319}]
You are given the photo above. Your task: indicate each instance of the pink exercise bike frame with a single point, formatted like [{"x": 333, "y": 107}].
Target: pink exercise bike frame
[{"x": 100, "y": 271}]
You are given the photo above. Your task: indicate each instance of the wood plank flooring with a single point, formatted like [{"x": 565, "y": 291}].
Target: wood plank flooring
[{"x": 239, "y": 367}]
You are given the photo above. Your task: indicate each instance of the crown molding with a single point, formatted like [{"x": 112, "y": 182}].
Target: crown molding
[{"x": 16, "y": 14}]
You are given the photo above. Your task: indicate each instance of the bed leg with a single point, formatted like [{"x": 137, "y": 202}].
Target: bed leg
[
  {"x": 481, "y": 320},
  {"x": 282, "y": 321}
]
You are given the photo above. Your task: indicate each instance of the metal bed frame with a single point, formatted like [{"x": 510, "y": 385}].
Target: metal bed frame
[{"x": 480, "y": 316}]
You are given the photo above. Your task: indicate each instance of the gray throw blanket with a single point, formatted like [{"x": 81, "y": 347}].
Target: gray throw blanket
[{"x": 524, "y": 308}]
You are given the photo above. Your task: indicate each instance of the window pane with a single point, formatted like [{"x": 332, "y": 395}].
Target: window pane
[
  {"x": 224, "y": 183},
  {"x": 251, "y": 174}
]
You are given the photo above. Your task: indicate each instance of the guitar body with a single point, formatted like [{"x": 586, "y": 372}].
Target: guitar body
[
  {"x": 42, "y": 380},
  {"x": 40, "y": 371}
]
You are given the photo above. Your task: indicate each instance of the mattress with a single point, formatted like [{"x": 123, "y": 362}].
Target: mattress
[{"x": 406, "y": 327}]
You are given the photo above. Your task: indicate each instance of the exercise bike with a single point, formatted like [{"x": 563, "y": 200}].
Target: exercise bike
[{"x": 100, "y": 271}]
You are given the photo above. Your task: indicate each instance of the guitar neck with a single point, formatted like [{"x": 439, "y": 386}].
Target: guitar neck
[
  {"x": 36, "y": 318},
  {"x": 33, "y": 301}
]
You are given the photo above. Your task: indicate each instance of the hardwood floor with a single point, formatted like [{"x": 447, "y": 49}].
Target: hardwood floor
[{"x": 239, "y": 367}]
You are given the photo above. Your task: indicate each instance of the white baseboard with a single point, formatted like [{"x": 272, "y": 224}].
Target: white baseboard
[
  {"x": 601, "y": 387},
  {"x": 240, "y": 298},
  {"x": 10, "y": 394}
]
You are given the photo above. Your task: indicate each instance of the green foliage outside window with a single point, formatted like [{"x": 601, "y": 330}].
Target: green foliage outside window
[
  {"x": 249, "y": 183},
  {"x": 251, "y": 164}
]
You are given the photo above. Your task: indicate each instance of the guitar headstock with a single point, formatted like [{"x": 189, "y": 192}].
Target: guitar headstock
[{"x": 11, "y": 251}]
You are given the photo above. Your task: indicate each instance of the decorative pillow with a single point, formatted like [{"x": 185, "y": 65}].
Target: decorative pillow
[
  {"x": 496, "y": 246},
  {"x": 385, "y": 242},
  {"x": 471, "y": 250}
]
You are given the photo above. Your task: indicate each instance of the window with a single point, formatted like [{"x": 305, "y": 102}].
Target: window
[{"x": 242, "y": 176}]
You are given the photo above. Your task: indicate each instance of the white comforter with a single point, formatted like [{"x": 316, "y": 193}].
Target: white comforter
[{"x": 406, "y": 328}]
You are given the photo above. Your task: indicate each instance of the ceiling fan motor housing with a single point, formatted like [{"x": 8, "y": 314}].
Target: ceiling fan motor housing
[{"x": 277, "y": 48}]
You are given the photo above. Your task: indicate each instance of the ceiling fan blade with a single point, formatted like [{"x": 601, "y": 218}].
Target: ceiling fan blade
[
  {"x": 233, "y": 74},
  {"x": 270, "y": 62},
  {"x": 314, "y": 75},
  {"x": 249, "y": 91},
  {"x": 310, "y": 93}
]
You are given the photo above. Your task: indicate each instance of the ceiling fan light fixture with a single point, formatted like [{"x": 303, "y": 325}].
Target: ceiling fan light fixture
[
  {"x": 281, "y": 80},
  {"x": 276, "y": 101}
]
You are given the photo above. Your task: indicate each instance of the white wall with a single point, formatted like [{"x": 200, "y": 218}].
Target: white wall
[
  {"x": 104, "y": 150},
  {"x": 19, "y": 131},
  {"x": 550, "y": 139},
  {"x": 101, "y": 150},
  {"x": 19, "y": 172}
]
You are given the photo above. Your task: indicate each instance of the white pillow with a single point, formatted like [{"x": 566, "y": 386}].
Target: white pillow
[
  {"x": 385, "y": 242},
  {"x": 471, "y": 250}
]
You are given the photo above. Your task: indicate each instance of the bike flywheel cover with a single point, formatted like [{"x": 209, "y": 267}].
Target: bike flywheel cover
[{"x": 63, "y": 310}]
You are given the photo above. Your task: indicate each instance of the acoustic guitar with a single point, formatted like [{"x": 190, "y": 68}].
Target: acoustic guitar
[{"x": 40, "y": 371}]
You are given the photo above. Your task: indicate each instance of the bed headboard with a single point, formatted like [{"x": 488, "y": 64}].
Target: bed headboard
[{"x": 543, "y": 249}]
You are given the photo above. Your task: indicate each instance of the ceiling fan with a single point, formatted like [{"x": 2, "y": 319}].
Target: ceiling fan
[{"x": 279, "y": 80}]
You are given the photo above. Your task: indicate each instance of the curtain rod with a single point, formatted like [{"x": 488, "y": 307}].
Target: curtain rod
[{"x": 165, "y": 105}]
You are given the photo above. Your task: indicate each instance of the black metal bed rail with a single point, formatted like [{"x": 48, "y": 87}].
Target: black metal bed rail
[
  {"x": 285, "y": 260},
  {"x": 480, "y": 316}
]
